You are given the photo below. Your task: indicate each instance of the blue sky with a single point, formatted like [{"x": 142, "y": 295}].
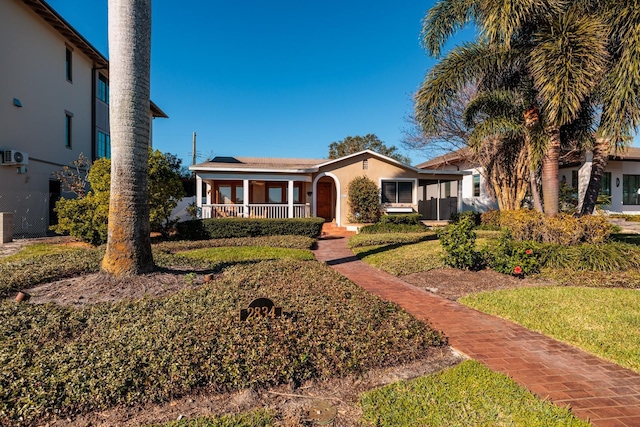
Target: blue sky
[{"x": 275, "y": 79}]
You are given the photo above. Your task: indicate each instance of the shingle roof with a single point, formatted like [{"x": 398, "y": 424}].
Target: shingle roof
[{"x": 267, "y": 163}]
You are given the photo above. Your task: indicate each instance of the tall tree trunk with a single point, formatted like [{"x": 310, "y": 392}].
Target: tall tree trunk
[
  {"x": 128, "y": 242},
  {"x": 550, "y": 182},
  {"x": 598, "y": 166},
  {"x": 535, "y": 194}
]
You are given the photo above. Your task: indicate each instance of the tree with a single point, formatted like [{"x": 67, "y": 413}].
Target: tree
[
  {"x": 354, "y": 144},
  {"x": 364, "y": 200},
  {"x": 129, "y": 243},
  {"x": 560, "y": 46},
  {"x": 165, "y": 189}
]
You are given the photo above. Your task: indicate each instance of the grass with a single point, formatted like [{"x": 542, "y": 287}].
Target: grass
[
  {"x": 404, "y": 259},
  {"x": 258, "y": 418},
  {"x": 606, "y": 323},
  {"x": 247, "y": 253},
  {"x": 466, "y": 395}
]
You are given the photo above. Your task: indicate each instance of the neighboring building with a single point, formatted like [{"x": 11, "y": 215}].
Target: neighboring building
[
  {"x": 621, "y": 180},
  {"x": 293, "y": 188},
  {"x": 54, "y": 96}
]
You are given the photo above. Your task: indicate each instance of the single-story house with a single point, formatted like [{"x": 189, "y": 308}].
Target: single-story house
[
  {"x": 295, "y": 188},
  {"x": 621, "y": 180}
]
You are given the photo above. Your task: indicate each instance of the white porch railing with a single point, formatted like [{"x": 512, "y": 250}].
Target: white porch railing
[{"x": 255, "y": 211}]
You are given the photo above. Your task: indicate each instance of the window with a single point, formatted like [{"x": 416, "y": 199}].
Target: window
[
  {"x": 69, "y": 64},
  {"x": 365, "y": 164},
  {"x": 103, "y": 88},
  {"x": 277, "y": 192},
  {"x": 574, "y": 180},
  {"x": 476, "y": 185},
  {"x": 447, "y": 189},
  {"x": 104, "y": 145},
  {"x": 631, "y": 189},
  {"x": 606, "y": 184},
  {"x": 68, "y": 128},
  {"x": 229, "y": 192},
  {"x": 397, "y": 192}
]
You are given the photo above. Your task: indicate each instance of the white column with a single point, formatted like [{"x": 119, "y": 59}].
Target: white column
[
  {"x": 245, "y": 198},
  {"x": 459, "y": 185},
  {"x": 438, "y": 201},
  {"x": 208, "y": 195},
  {"x": 290, "y": 198},
  {"x": 199, "y": 191}
]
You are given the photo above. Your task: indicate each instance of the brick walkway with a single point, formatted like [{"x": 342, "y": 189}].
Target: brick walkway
[{"x": 600, "y": 391}]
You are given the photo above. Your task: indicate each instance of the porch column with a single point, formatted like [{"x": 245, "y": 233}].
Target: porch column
[
  {"x": 208, "y": 195},
  {"x": 459, "y": 185},
  {"x": 245, "y": 198},
  {"x": 199, "y": 192},
  {"x": 438, "y": 201},
  {"x": 290, "y": 198}
]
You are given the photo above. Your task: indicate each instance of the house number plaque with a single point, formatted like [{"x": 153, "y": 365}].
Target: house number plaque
[{"x": 259, "y": 308}]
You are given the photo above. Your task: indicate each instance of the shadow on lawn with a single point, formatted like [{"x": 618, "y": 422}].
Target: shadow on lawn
[{"x": 385, "y": 248}]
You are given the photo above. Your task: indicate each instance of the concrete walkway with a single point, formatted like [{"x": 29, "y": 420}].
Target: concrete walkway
[{"x": 597, "y": 390}]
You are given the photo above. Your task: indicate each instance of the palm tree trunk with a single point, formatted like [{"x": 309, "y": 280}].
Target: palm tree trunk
[
  {"x": 128, "y": 243},
  {"x": 535, "y": 194},
  {"x": 598, "y": 166},
  {"x": 550, "y": 182}
]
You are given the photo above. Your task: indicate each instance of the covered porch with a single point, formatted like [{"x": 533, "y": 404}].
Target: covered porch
[{"x": 254, "y": 196}]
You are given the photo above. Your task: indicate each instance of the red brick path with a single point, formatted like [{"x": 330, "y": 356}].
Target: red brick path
[{"x": 597, "y": 390}]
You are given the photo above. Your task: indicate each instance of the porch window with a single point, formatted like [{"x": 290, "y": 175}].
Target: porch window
[
  {"x": 631, "y": 189},
  {"x": 229, "y": 192},
  {"x": 277, "y": 192},
  {"x": 606, "y": 184},
  {"x": 397, "y": 192},
  {"x": 476, "y": 185}
]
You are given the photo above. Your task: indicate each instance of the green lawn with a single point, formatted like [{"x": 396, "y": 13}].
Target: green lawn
[
  {"x": 466, "y": 395},
  {"x": 247, "y": 253},
  {"x": 604, "y": 322},
  {"x": 258, "y": 418}
]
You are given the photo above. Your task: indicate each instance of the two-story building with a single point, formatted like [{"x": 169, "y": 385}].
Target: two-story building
[{"x": 54, "y": 105}]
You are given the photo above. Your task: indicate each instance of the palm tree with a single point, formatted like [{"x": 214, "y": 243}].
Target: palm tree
[
  {"x": 128, "y": 243},
  {"x": 561, "y": 48},
  {"x": 619, "y": 92}
]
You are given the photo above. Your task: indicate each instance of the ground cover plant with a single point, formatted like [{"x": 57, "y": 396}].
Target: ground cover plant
[
  {"x": 606, "y": 324},
  {"x": 258, "y": 418},
  {"x": 468, "y": 394},
  {"x": 67, "y": 361}
]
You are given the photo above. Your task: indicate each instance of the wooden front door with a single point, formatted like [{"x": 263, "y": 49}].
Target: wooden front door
[{"x": 324, "y": 199}]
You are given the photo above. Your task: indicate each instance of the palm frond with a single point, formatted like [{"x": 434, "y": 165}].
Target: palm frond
[{"x": 443, "y": 20}]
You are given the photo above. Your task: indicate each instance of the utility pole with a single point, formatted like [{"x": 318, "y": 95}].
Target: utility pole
[{"x": 193, "y": 149}]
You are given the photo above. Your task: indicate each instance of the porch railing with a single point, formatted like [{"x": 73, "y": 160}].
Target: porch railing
[{"x": 255, "y": 211}]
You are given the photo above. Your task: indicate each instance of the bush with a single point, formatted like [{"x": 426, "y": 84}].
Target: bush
[
  {"x": 474, "y": 217},
  {"x": 458, "y": 241},
  {"x": 516, "y": 258},
  {"x": 364, "y": 200},
  {"x": 595, "y": 228},
  {"x": 402, "y": 219},
  {"x": 363, "y": 240},
  {"x": 65, "y": 361},
  {"x": 389, "y": 227},
  {"x": 224, "y": 228},
  {"x": 490, "y": 218}
]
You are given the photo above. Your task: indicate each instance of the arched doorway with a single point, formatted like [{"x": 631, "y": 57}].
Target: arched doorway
[{"x": 326, "y": 196}]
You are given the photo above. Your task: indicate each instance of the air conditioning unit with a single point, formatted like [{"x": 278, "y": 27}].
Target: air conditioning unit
[{"x": 14, "y": 157}]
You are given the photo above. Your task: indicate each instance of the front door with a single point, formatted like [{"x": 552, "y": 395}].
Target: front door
[{"x": 324, "y": 199}]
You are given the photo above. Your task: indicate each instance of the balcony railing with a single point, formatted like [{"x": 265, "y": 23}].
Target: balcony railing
[{"x": 255, "y": 211}]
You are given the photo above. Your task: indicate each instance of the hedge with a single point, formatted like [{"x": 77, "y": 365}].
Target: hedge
[{"x": 226, "y": 228}]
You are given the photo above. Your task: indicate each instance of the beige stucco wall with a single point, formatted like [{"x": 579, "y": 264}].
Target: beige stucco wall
[{"x": 344, "y": 171}]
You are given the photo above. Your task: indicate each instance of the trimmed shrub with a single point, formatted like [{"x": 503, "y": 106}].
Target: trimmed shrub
[
  {"x": 364, "y": 200},
  {"x": 562, "y": 229},
  {"x": 459, "y": 241},
  {"x": 389, "y": 227},
  {"x": 402, "y": 219},
  {"x": 595, "y": 228},
  {"x": 362, "y": 240},
  {"x": 225, "y": 228}
]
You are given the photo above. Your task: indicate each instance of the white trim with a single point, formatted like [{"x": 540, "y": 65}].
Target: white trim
[
  {"x": 336, "y": 182},
  {"x": 253, "y": 177},
  {"x": 414, "y": 187}
]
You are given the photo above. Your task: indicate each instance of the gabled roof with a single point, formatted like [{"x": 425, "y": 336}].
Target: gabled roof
[
  {"x": 55, "y": 20},
  {"x": 440, "y": 162}
]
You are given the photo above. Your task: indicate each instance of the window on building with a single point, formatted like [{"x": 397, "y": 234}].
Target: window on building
[
  {"x": 69, "y": 64},
  {"x": 229, "y": 192},
  {"x": 365, "y": 164},
  {"x": 103, "y": 148},
  {"x": 606, "y": 184},
  {"x": 447, "y": 189},
  {"x": 103, "y": 88},
  {"x": 631, "y": 189},
  {"x": 277, "y": 192},
  {"x": 476, "y": 185},
  {"x": 574, "y": 180},
  {"x": 397, "y": 192},
  {"x": 68, "y": 129}
]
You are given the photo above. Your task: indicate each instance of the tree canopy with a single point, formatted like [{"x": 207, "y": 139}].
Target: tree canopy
[{"x": 355, "y": 144}]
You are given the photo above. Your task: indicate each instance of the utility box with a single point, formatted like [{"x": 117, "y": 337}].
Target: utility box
[{"x": 6, "y": 227}]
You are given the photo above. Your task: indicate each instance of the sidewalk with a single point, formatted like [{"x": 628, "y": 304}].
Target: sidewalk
[{"x": 601, "y": 391}]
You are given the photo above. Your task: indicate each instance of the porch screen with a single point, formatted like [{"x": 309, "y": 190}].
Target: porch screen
[{"x": 397, "y": 192}]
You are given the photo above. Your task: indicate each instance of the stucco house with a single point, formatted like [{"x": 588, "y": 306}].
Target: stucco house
[
  {"x": 294, "y": 188},
  {"x": 621, "y": 180},
  {"x": 54, "y": 105}
]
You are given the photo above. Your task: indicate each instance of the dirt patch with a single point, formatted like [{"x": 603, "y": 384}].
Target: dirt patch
[{"x": 452, "y": 284}]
